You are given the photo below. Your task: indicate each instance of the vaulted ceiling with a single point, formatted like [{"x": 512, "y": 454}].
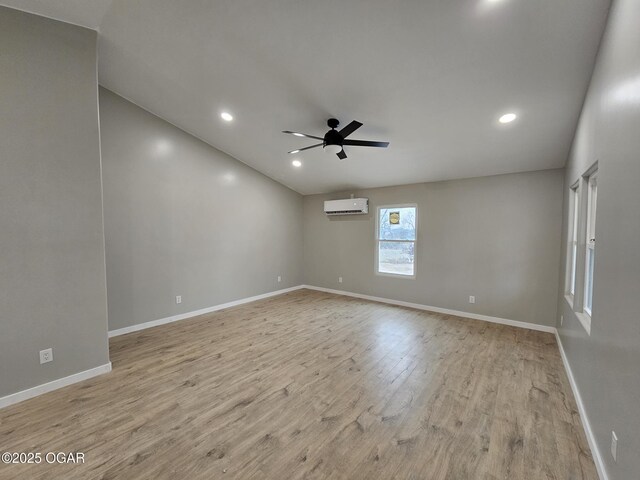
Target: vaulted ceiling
[{"x": 430, "y": 76}]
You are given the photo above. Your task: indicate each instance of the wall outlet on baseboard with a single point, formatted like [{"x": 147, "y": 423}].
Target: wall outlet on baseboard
[
  {"x": 46, "y": 356},
  {"x": 614, "y": 446},
  {"x": 279, "y": 278},
  {"x": 339, "y": 279},
  {"x": 472, "y": 299},
  {"x": 178, "y": 298}
]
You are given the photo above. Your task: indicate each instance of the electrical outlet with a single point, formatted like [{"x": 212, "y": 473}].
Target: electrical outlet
[
  {"x": 339, "y": 279},
  {"x": 279, "y": 278},
  {"x": 614, "y": 446},
  {"x": 561, "y": 319},
  {"x": 46, "y": 356},
  {"x": 178, "y": 298},
  {"x": 472, "y": 299}
]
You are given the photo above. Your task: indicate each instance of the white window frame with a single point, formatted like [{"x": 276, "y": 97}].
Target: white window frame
[
  {"x": 590, "y": 241},
  {"x": 572, "y": 243},
  {"x": 378, "y": 240}
]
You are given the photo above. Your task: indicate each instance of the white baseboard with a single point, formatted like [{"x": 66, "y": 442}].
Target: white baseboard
[
  {"x": 458, "y": 313},
  {"x": 195, "y": 313},
  {"x": 54, "y": 385},
  {"x": 597, "y": 457}
]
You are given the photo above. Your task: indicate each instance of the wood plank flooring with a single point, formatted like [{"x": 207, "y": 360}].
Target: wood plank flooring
[{"x": 310, "y": 385}]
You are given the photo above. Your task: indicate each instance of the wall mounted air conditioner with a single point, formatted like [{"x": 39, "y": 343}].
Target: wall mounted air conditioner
[{"x": 348, "y": 206}]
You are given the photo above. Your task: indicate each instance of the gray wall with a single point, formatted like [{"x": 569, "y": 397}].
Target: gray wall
[
  {"x": 606, "y": 364},
  {"x": 52, "y": 285},
  {"x": 493, "y": 237},
  {"x": 182, "y": 218}
]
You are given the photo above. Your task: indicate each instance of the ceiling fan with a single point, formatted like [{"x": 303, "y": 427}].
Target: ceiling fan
[{"x": 334, "y": 141}]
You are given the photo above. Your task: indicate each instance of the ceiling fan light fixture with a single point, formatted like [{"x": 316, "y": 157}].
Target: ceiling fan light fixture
[
  {"x": 334, "y": 149},
  {"x": 334, "y": 140}
]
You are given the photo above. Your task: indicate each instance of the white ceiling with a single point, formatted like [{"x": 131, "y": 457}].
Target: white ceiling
[{"x": 431, "y": 77}]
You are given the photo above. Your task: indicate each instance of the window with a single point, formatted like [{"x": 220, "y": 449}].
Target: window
[
  {"x": 592, "y": 198},
  {"x": 396, "y": 240},
  {"x": 572, "y": 250}
]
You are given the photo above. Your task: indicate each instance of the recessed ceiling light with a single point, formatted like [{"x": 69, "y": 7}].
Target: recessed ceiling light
[
  {"x": 296, "y": 163},
  {"x": 226, "y": 116},
  {"x": 507, "y": 118}
]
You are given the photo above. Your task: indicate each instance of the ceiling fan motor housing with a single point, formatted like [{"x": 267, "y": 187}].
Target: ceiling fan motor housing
[
  {"x": 332, "y": 137},
  {"x": 333, "y": 123}
]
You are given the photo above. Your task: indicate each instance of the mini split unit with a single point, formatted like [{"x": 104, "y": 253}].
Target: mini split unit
[{"x": 349, "y": 206}]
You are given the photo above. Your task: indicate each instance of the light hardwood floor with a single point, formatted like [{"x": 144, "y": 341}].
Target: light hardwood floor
[{"x": 313, "y": 385}]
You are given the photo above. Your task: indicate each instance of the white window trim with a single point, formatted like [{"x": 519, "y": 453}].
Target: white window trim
[
  {"x": 378, "y": 240},
  {"x": 590, "y": 244},
  {"x": 585, "y": 321},
  {"x": 573, "y": 243}
]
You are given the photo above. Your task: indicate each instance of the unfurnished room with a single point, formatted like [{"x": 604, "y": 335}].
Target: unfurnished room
[{"x": 355, "y": 240}]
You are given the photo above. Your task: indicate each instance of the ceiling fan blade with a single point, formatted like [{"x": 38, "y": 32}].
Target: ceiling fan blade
[
  {"x": 306, "y": 148},
  {"x": 341, "y": 155},
  {"x": 365, "y": 143},
  {"x": 298, "y": 134},
  {"x": 349, "y": 129}
]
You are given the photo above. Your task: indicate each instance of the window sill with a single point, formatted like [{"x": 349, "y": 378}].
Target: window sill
[
  {"x": 396, "y": 275},
  {"x": 585, "y": 321},
  {"x": 569, "y": 299},
  {"x": 583, "y": 318}
]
